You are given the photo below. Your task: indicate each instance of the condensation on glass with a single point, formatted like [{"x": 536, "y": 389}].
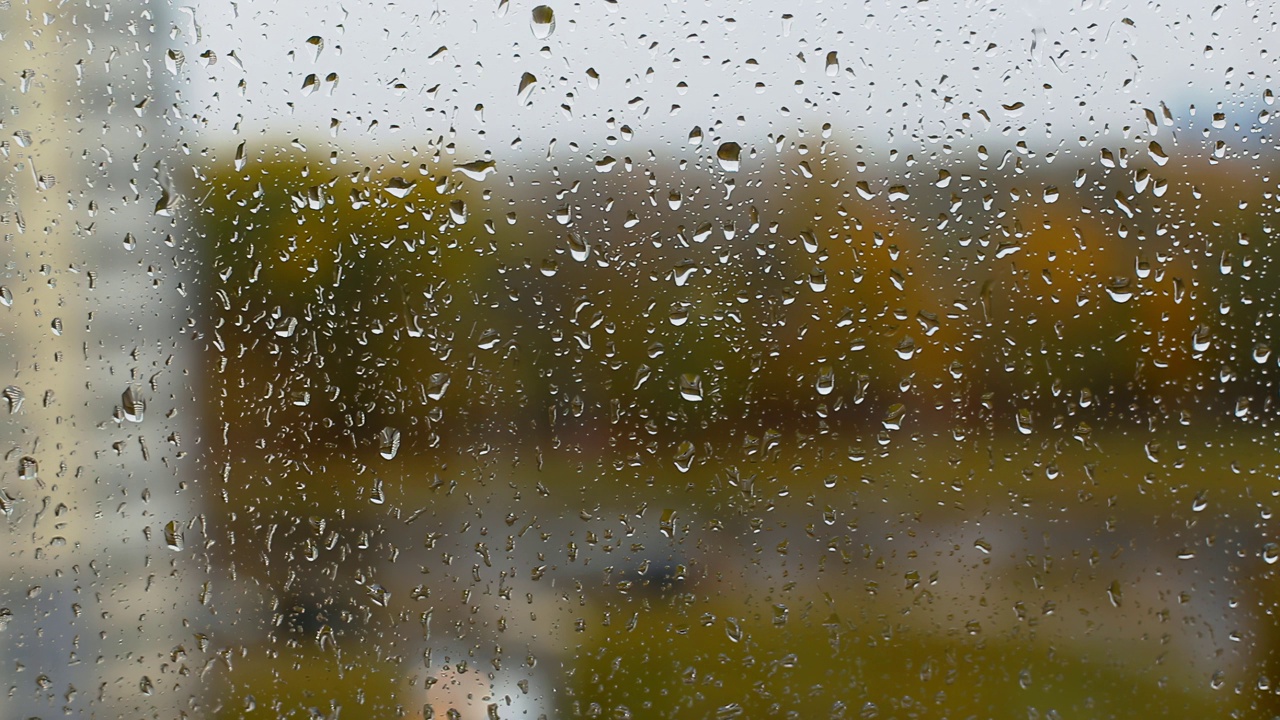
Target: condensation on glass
[{"x": 609, "y": 360}]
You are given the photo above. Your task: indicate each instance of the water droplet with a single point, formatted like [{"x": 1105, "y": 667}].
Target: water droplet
[
  {"x": 683, "y": 271},
  {"x": 316, "y": 42},
  {"x": 6, "y": 296},
  {"x": 477, "y": 169},
  {"x": 378, "y": 594},
  {"x": 1157, "y": 153},
  {"x": 1270, "y": 553},
  {"x": 1142, "y": 268},
  {"x": 1051, "y": 194},
  {"x": 1005, "y": 248},
  {"x": 1083, "y": 433},
  {"x": 826, "y": 380},
  {"x": 1242, "y": 407},
  {"x": 1038, "y": 37},
  {"x": 527, "y": 82},
  {"x": 173, "y": 536},
  {"x": 1200, "y": 338},
  {"x": 1023, "y": 421},
  {"x": 691, "y": 387},
  {"x": 818, "y": 280},
  {"x": 833, "y": 64},
  {"x": 809, "y": 240},
  {"x": 1115, "y": 593},
  {"x": 982, "y": 545},
  {"x": 667, "y": 523},
  {"x": 893, "y": 416},
  {"x": 906, "y": 349},
  {"x": 578, "y": 248},
  {"x": 679, "y": 315},
  {"x": 437, "y": 384},
  {"x": 13, "y": 396},
  {"x": 458, "y": 211},
  {"x": 388, "y": 443},
  {"x": 28, "y": 468},
  {"x": 732, "y": 629},
  {"x": 1200, "y": 502},
  {"x": 286, "y": 327},
  {"x": 1119, "y": 290},
  {"x": 543, "y": 22},
  {"x": 684, "y": 456},
  {"x": 488, "y": 339},
  {"x": 399, "y": 187},
  {"x": 134, "y": 405},
  {"x": 729, "y": 155}
]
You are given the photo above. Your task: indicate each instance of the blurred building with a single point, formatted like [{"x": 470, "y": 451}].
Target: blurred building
[{"x": 96, "y": 604}]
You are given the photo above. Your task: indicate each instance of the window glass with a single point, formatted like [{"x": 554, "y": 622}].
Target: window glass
[{"x": 627, "y": 360}]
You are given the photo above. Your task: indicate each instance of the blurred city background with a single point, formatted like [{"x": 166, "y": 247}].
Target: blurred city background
[{"x": 609, "y": 360}]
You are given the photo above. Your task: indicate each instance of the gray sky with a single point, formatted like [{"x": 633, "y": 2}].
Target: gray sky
[{"x": 906, "y": 71}]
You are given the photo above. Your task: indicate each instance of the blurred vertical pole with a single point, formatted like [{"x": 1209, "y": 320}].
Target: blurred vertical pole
[{"x": 95, "y": 601}]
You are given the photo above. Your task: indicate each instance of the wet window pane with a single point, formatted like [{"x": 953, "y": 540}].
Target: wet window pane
[{"x": 627, "y": 360}]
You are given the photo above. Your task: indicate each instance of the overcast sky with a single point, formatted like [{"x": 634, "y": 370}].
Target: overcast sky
[{"x": 904, "y": 73}]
